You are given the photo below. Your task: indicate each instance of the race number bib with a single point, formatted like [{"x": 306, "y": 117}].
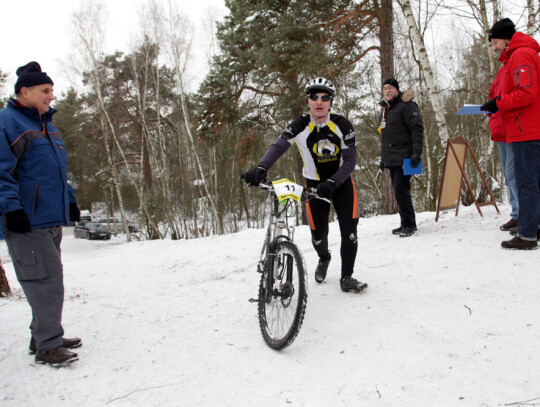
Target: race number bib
[{"x": 286, "y": 189}]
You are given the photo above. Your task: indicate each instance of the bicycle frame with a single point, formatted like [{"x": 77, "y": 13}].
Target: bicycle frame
[{"x": 278, "y": 227}]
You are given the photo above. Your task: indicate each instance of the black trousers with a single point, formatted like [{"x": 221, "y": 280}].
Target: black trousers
[
  {"x": 402, "y": 192},
  {"x": 345, "y": 203}
]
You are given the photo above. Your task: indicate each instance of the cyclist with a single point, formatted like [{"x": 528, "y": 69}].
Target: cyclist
[{"x": 327, "y": 145}]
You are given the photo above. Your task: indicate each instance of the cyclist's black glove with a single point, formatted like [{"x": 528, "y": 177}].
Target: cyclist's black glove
[
  {"x": 491, "y": 105},
  {"x": 381, "y": 166},
  {"x": 254, "y": 176},
  {"x": 326, "y": 189},
  {"x": 17, "y": 221},
  {"x": 415, "y": 160}
]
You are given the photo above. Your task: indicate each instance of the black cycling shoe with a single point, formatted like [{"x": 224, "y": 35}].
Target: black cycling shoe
[
  {"x": 322, "y": 268},
  {"x": 351, "y": 284}
]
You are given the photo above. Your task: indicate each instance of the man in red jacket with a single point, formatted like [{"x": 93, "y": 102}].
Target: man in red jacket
[
  {"x": 519, "y": 103},
  {"x": 498, "y": 133}
]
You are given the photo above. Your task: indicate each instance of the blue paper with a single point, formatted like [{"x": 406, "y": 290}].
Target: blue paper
[
  {"x": 472, "y": 109},
  {"x": 408, "y": 168}
]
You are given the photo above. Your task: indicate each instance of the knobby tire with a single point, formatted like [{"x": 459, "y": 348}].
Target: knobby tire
[{"x": 282, "y": 309}]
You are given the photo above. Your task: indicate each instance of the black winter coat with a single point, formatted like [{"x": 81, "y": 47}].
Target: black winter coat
[{"x": 403, "y": 134}]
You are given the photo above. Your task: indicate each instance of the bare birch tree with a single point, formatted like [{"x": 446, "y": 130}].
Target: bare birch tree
[
  {"x": 88, "y": 24},
  {"x": 425, "y": 66},
  {"x": 179, "y": 48},
  {"x": 533, "y": 13}
]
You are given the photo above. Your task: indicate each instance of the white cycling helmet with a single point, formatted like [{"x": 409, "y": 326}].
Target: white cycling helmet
[{"x": 320, "y": 84}]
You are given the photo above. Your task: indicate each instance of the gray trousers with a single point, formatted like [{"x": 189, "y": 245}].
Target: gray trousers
[{"x": 38, "y": 266}]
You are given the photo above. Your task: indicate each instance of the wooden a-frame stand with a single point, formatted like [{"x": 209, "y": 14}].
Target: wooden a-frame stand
[{"x": 453, "y": 175}]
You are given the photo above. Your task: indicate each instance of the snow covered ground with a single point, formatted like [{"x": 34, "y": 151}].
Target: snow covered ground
[{"x": 449, "y": 319}]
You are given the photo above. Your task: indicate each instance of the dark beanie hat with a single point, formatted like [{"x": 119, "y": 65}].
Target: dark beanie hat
[
  {"x": 31, "y": 75},
  {"x": 392, "y": 82},
  {"x": 503, "y": 29}
]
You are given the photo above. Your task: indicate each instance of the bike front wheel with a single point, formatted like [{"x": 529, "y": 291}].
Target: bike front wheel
[{"x": 282, "y": 295}]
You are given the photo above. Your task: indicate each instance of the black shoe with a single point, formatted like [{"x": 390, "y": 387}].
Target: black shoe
[
  {"x": 58, "y": 357},
  {"x": 351, "y": 284},
  {"x": 407, "y": 231},
  {"x": 396, "y": 231},
  {"x": 68, "y": 343},
  {"x": 517, "y": 243},
  {"x": 322, "y": 268},
  {"x": 509, "y": 225},
  {"x": 399, "y": 230}
]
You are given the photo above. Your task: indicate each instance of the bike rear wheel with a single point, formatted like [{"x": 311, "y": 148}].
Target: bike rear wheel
[{"x": 282, "y": 295}]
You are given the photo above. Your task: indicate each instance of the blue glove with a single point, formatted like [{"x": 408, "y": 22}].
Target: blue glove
[
  {"x": 254, "y": 176},
  {"x": 327, "y": 188},
  {"x": 17, "y": 221}
]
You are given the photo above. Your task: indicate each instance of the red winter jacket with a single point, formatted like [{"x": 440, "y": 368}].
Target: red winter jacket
[
  {"x": 496, "y": 125},
  {"x": 520, "y": 94}
]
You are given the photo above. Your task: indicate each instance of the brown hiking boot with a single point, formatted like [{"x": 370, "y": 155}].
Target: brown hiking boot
[
  {"x": 68, "y": 343},
  {"x": 517, "y": 243},
  {"x": 56, "y": 357},
  {"x": 509, "y": 225}
]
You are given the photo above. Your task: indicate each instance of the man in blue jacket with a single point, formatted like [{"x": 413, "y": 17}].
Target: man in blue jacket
[{"x": 36, "y": 201}]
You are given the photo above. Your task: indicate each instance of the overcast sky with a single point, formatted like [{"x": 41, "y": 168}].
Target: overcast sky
[{"x": 35, "y": 30}]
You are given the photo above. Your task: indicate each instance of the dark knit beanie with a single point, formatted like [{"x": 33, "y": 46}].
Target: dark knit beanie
[
  {"x": 503, "y": 29},
  {"x": 31, "y": 75},
  {"x": 392, "y": 82}
]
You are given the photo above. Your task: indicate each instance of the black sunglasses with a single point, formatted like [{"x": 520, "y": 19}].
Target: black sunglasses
[{"x": 324, "y": 98}]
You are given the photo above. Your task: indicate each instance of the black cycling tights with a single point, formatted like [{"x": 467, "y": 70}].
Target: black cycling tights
[{"x": 346, "y": 206}]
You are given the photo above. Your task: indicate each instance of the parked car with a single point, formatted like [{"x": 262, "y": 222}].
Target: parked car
[
  {"x": 91, "y": 231},
  {"x": 86, "y": 215},
  {"x": 114, "y": 224}
]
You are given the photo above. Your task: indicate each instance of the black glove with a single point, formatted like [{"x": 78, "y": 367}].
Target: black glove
[
  {"x": 17, "y": 221},
  {"x": 254, "y": 176},
  {"x": 491, "y": 105},
  {"x": 381, "y": 165},
  {"x": 415, "y": 160},
  {"x": 74, "y": 212},
  {"x": 326, "y": 189}
]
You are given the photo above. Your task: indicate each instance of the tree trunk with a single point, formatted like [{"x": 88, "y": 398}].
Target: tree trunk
[
  {"x": 532, "y": 14},
  {"x": 425, "y": 67},
  {"x": 385, "y": 16},
  {"x": 5, "y": 290}
]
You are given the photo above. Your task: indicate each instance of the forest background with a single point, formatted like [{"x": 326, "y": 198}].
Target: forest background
[{"x": 144, "y": 147}]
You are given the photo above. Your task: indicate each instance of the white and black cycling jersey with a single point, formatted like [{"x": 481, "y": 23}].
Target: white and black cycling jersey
[{"x": 328, "y": 149}]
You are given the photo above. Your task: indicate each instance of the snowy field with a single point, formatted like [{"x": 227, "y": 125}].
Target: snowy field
[{"x": 449, "y": 319}]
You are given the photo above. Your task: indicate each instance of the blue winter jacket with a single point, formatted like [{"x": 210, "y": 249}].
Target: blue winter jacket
[{"x": 33, "y": 167}]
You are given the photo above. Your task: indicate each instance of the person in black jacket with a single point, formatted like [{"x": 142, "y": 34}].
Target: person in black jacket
[{"x": 402, "y": 137}]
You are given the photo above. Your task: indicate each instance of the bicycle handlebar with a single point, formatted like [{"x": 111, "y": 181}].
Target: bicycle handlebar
[{"x": 306, "y": 193}]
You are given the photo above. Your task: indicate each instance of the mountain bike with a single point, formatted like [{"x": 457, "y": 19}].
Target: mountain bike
[{"x": 283, "y": 286}]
